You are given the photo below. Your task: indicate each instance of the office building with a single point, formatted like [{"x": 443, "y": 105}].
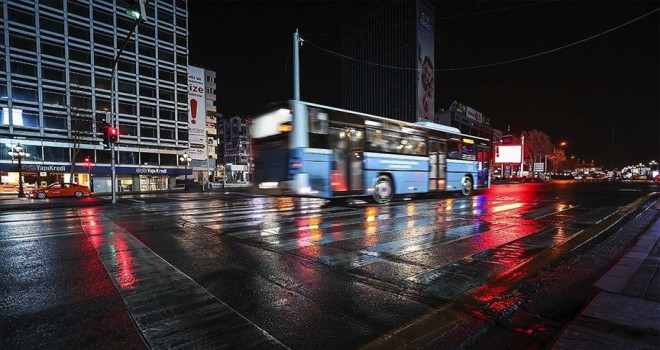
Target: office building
[
  {"x": 235, "y": 152},
  {"x": 392, "y": 73},
  {"x": 55, "y": 91}
]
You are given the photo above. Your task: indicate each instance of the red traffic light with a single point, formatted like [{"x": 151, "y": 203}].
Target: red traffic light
[{"x": 113, "y": 134}]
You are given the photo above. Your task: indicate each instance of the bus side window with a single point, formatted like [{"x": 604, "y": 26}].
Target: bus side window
[
  {"x": 375, "y": 141},
  {"x": 454, "y": 150}
]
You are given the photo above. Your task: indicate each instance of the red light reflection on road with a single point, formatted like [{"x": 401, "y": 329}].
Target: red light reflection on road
[
  {"x": 125, "y": 276},
  {"x": 496, "y": 291}
]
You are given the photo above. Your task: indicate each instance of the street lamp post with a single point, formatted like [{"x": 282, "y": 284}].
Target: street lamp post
[
  {"x": 185, "y": 159},
  {"x": 135, "y": 9},
  {"x": 17, "y": 153}
]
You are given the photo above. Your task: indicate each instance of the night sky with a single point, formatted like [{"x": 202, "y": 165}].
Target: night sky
[{"x": 601, "y": 96}]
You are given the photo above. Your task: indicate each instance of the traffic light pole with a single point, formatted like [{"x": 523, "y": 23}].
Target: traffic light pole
[{"x": 114, "y": 122}]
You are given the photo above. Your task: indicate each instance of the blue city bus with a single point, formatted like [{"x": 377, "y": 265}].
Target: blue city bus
[{"x": 302, "y": 148}]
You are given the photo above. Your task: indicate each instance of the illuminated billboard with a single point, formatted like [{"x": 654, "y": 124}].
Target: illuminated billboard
[
  {"x": 508, "y": 154},
  {"x": 196, "y": 113}
]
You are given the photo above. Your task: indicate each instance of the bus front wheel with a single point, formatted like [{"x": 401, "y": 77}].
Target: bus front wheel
[
  {"x": 384, "y": 190},
  {"x": 466, "y": 186}
]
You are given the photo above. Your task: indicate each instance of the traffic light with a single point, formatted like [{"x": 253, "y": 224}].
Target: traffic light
[
  {"x": 135, "y": 9},
  {"x": 113, "y": 134},
  {"x": 87, "y": 163}
]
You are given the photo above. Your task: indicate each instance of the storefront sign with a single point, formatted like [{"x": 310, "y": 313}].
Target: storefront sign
[
  {"x": 43, "y": 168},
  {"x": 150, "y": 171}
]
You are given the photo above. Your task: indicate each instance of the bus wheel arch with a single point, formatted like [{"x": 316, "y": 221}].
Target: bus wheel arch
[
  {"x": 467, "y": 184},
  {"x": 383, "y": 188}
]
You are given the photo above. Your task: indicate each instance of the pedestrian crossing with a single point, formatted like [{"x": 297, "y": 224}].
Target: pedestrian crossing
[{"x": 441, "y": 247}]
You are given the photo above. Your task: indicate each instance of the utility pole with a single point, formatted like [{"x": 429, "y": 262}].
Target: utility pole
[{"x": 296, "y": 67}]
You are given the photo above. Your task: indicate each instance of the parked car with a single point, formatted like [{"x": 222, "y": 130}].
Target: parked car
[
  {"x": 60, "y": 190},
  {"x": 532, "y": 179}
]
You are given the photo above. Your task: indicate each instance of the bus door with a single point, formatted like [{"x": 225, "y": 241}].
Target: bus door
[
  {"x": 438, "y": 159},
  {"x": 483, "y": 165},
  {"x": 347, "y": 148}
]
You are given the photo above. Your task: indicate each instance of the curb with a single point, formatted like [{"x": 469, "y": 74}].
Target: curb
[{"x": 465, "y": 319}]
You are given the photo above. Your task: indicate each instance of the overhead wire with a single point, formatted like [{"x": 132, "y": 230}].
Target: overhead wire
[{"x": 488, "y": 64}]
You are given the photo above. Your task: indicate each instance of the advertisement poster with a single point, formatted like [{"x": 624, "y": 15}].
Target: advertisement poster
[
  {"x": 196, "y": 113},
  {"x": 425, "y": 63}
]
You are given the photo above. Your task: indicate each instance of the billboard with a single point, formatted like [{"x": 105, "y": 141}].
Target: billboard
[
  {"x": 508, "y": 154},
  {"x": 425, "y": 63},
  {"x": 473, "y": 114},
  {"x": 196, "y": 113}
]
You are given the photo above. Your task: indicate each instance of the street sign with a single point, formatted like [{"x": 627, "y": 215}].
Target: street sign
[{"x": 538, "y": 167}]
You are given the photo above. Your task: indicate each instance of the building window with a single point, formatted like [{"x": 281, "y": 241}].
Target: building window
[
  {"x": 165, "y": 36},
  {"x": 23, "y": 68},
  {"x": 166, "y": 114},
  {"x": 25, "y": 94},
  {"x": 54, "y": 98},
  {"x": 103, "y": 17},
  {"x": 79, "y": 33},
  {"x": 52, "y": 49},
  {"x": 166, "y": 133},
  {"x": 147, "y": 131},
  {"x": 21, "y": 42},
  {"x": 25, "y": 118},
  {"x": 168, "y": 159},
  {"x": 149, "y": 158},
  {"x": 51, "y": 25},
  {"x": 79, "y": 56},
  {"x": 147, "y": 91},
  {"x": 181, "y": 40},
  {"x": 165, "y": 55},
  {"x": 78, "y": 9},
  {"x": 183, "y": 135},
  {"x": 166, "y": 94},
  {"x": 147, "y": 111},
  {"x": 127, "y": 129},
  {"x": 21, "y": 17},
  {"x": 79, "y": 79},
  {"x": 55, "y": 122}
]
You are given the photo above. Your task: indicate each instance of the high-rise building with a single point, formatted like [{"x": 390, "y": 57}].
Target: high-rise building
[
  {"x": 392, "y": 74},
  {"x": 234, "y": 142},
  {"x": 55, "y": 79}
]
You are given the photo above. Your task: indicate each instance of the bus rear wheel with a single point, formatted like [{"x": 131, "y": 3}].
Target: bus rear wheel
[
  {"x": 466, "y": 186},
  {"x": 384, "y": 190}
]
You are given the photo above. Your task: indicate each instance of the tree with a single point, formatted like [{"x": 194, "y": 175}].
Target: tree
[
  {"x": 537, "y": 146},
  {"x": 557, "y": 158},
  {"x": 80, "y": 118}
]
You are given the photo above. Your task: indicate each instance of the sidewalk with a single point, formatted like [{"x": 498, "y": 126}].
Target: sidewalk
[{"x": 626, "y": 313}]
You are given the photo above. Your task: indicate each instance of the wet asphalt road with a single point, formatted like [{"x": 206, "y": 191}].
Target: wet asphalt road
[{"x": 271, "y": 272}]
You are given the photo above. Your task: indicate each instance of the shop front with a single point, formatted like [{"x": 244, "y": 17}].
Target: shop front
[{"x": 98, "y": 178}]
